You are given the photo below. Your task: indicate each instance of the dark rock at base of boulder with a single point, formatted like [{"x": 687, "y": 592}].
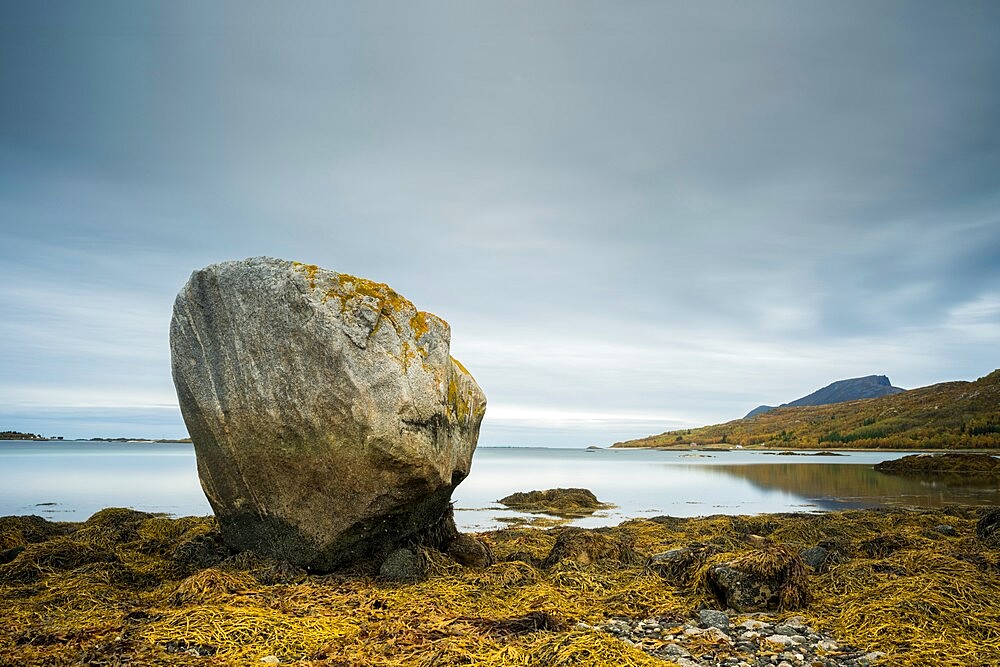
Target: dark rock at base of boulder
[
  {"x": 678, "y": 566},
  {"x": 558, "y": 502},
  {"x": 586, "y": 547},
  {"x": 953, "y": 463},
  {"x": 403, "y": 565},
  {"x": 470, "y": 552},
  {"x": 766, "y": 579},
  {"x": 988, "y": 528}
]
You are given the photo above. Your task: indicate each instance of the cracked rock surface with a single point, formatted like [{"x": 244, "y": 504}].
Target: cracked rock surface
[{"x": 329, "y": 421}]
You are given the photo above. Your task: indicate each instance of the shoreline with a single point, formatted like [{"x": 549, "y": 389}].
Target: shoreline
[
  {"x": 810, "y": 450},
  {"x": 129, "y": 587}
]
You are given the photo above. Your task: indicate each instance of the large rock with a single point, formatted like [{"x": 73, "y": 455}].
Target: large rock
[{"x": 329, "y": 422}]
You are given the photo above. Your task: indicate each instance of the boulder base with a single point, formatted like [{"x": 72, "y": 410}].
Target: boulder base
[{"x": 329, "y": 422}]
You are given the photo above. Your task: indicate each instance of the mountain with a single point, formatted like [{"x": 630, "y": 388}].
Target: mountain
[
  {"x": 870, "y": 386},
  {"x": 950, "y": 415}
]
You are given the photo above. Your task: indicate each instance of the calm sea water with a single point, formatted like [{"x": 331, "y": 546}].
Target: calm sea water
[{"x": 72, "y": 480}]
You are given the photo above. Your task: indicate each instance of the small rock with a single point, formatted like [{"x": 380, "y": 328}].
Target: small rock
[
  {"x": 402, "y": 565},
  {"x": 675, "y": 650},
  {"x": 271, "y": 660},
  {"x": 470, "y": 552},
  {"x": 710, "y": 618},
  {"x": 945, "y": 529},
  {"x": 781, "y": 640}
]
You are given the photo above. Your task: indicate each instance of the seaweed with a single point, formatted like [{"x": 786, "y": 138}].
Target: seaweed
[
  {"x": 931, "y": 598},
  {"x": 564, "y": 503}
]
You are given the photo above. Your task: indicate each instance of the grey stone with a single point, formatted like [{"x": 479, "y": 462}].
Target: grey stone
[
  {"x": 674, "y": 649},
  {"x": 329, "y": 422},
  {"x": 710, "y": 618},
  {"x": 818, "y": 558},
  {"x": 945, "y": 529},
  {"x": 402, "y": 565}
]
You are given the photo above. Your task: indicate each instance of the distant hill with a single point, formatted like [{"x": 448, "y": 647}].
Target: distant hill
[
  {"x": 870, "y": 386},
  {"x": 950, "y": 415}
]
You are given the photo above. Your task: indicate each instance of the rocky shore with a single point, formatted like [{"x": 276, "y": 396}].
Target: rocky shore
[
  {"x": 847, "y": 589},
  {"x": 715, "y": 639}
]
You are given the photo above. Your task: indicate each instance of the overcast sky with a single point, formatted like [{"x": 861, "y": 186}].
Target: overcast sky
[{"x": 635, "y": 216}]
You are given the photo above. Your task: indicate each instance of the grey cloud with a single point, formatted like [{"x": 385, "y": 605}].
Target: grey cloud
[{"x": 773, "y": 179}]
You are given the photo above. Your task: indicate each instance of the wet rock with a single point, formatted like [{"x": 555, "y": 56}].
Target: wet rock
[
  {"x": 470, "y": 552},
  {"x": 329, "y": 422},
  {"x": 946, "y": 530}
]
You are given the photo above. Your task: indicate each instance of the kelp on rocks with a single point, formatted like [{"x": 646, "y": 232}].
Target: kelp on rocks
[{"x": 121, "y": 590}]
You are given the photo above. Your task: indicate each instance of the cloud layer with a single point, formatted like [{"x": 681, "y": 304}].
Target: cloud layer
[{"x": 635, "y": 218}]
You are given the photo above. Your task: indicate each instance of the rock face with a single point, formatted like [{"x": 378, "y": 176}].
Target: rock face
[{"x": 329, "y": 422}]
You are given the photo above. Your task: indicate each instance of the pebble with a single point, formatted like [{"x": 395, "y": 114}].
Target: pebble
[{"x": 716, "y": 639}]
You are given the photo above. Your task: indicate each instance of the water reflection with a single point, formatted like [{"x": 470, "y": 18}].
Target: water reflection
[
  {"x": 839, "y": 486},
  {"x": 71, "y": 480}
]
